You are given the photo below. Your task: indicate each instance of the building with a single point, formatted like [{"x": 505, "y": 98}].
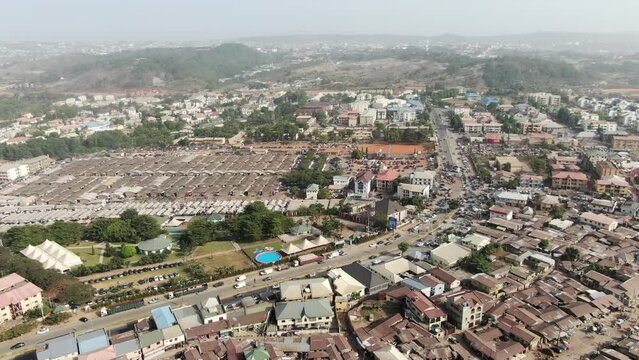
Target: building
[
  {"x": 385, "y": 181},
  {"x": 486, "y": 284},
  {"x": 490, "y": 345},
  {"x": 63, "y": 347},
  {"x": 17, "y": 296},
  {"x": 512, "y": 198},
  {"x": 13, "y": 171},
  {"x": 163, "y": 317},
  {"x": 156, "y": 245},
  {"x": 346, "y": 285},
  {"x": 390, "y": 212},
  {"x": 364, "y": 184},
  {"x": 419, "y": 177},
  {"x": 599, "y": 221},
  {"x": 625, "y": 143},
  {"x": 434, "y": 285},
  {"x": 420, "y": 309},
  {"x": 531, "y": 182},
  {"x": 605, "y": 169},
  {"x": 448, "y": 254},
  {"x": 317, "y": 288},
  {"x": 475, "y": 241},
  {"x": 500, "y": 212},
  {"x": 152, "y": 343},
  {"x": 372, "y": 281},
  {"x": 211, "y": 310},
  {"x": 341, "y": 182},
  {"x": 52, "y": 256},
  {"x": 311, "y": 192},
  {"x": 570, "y": 180},
  {"x": 613, "y": 185},
  {"x": 348, "y": 119},
  {"x": 368, "y": 117},
  {"x": 396, "y": 270},
  {"x": 173, "y": 336},
  {"x": 545, "y": 99},
  {"x": 314, "y": 314},
  {"x": 37, "y": 163},
  {"x": 466, "y": 310},
  {"x": 410, "y": 190},
  {"x": 93, "y": 341},
  {"x": 509, "y": 163},
  {"x": 450, "y": 281}
]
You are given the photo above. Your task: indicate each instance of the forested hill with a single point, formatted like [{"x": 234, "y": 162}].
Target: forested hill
[{"x": 185, "y": 67}]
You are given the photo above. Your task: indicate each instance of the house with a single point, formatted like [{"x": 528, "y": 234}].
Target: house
[
  {"x": 396, "y": 270},
  {"x": 363, "y": 184},
  {"x": 211, "y": 310},
  {"x": 420, "y": 309},
  {"x": 63, "y": 347},
  {"x": 152, "y": 343},
  {"x": 92, "y": 341},
  {"x": 37, "y": 163},
  {"x": 603, "y": 205},
  {"x": 313, "y": 314},
  {"x": 490, "y": 345},
  {"x": 486, "y": 283},
  {"x": 475, "y": 241},
  {"x": 372, "y": 281},
  {"x": 545, "y": 99},
  {"x": 348, "y": 119},
  {"x": 341, "y": 182},
  {"x": 346, "y": 285},
  {"x": 569, "y": 180},
  {"x": 17, "y": 296},
  {"x": 13, "y": 171},
  {"x": 390, "y": 212},
  {"x": 500, "y": 212},
  {"x": 599, "y": 221},
  {"x": 434, "y": 285},
  {"x": 466, "y": 310},
  {"x": 613, "y": 185},
  {"x": 512, "y": 198},
  {"x": 311, "y": 192},
  {"x": 531, "y": 182},
  {"x": 128, "y": 349},
  {"x": 389, "y": 352},
  {"x": 509, "y": 163},
  {"x": 625, "y": 143},
  {"x": 449, "y": 280},
  {"x": 385, "y": 181},
  {"x": 405, "y": 191},
  {"x": 173, "y": 336},
  {"x": 156, "y": 245},
  {"x": 448, "y": 254},
  {"x": 317, "y": 288},
  {"x": 368, "y": 117},
  {"x": 163, "y": 317},
  {"x": 606, "y": 168}
]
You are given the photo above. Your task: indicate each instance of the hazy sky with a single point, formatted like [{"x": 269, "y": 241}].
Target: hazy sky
[{"x": 100, "y": 20}]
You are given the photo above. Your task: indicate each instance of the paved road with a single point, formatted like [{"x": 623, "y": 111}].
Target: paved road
[
  {"x": 447, "y": 139},
  {"x": 227, "y": 292}
]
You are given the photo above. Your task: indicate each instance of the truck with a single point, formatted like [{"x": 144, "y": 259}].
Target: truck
[
  {"x": 266, "y": 271},
  {"x": 240, "y": 285},
  {"x": 190, "y": 290},
  {"x": 240, "y": 278},
  {"x": 130, "y": 305}
]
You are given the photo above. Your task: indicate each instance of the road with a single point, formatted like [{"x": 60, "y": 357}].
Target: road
[
  {"x": 447, "y": 140},
  {"x": 255, "y": 284}
]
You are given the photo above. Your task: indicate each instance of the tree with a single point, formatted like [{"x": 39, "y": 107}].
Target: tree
[
  {"x": 97, "y": 230},
  {"x": 76, "y": 293},
  {"x": 145, "y": 227},
  {"x": 571, "y": 254},
  {"x": 558, "y": 211},
  {"x": 357, "y": 154},
  {"x": 454, "y": 204},
  {"x": 323, "y": 193},
  {"x": 198, "y": 232},
  {"x": 121, "y": 231},
  {"x": 127, "y": 251},
  {"x": 403, "y": 247},
  {"x": 543, "y": 244},
  {"x": 330, "y": 226},
  {"x": 128, "y": 214}
]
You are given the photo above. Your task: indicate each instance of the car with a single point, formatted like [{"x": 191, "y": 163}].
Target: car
[
  {"x": 153, "y": 300},
  {"x": 377, "y": 261},
  {"x": 380, "y": 242},
  {"x": 372, "y": 245},
  {"x": 372, "y": 257},
  {"x": 84, "y": 319},
  {"x": 311, "y": 275},
  {"x": 218, "y": 284},
  {"x": 17, "y": 346},
  {"x": 268, "y": 278},
  {"x": 42, "y": 330},
  {"x": 275, "y": 286}
]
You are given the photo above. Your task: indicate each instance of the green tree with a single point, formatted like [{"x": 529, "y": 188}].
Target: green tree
[
  {"x": 330, "y": 226},
  {"x": 145, "y": 226},
  {"x": 357, "y": 154},
  {"x": 543, "y": 244},
  {"x": 323, "y": 193},
  {"x": 403, "y": 246},
  {"x": 127, "y": 251},
  {"x": 76, "y": 293},
  {"x": 121, "y": 231},
  {"x": 454, "y": 204},
  {"x": 128, "y": 214},
  {"x": 198, "y": 232},
  {"x": 571, "y": 254}
]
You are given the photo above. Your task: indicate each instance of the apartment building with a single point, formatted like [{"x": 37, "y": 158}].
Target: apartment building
[
  {"x": 545, "y": 99},
  {"x": 410, "y": 190},
  {"x": 625, "y": 143},
  {"x": 37, "y": 163},
  {"x": 532, "y": 182},
  {"x": 314, "y": 314},
  {"x": 17, "y": 296},
  {"x": 423, "y": 178},
  {"x": 420, "y": 309},
  {"x": 613, "y": 185},
  {"x": 348, "y": 119},
  {"x": 465, "y": 310},
  {"x": 605, "y": 169},
  {"x": 570, "y": 180},
  {"x": 599, "y": 221},
  {"x": 13, "y": 171},
  {"x": 385, "y": 180}
]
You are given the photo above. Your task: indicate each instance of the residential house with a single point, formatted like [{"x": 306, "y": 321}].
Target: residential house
[
  {"x": 486, "y": 283},
  {"x": 490, "y": 345},
  {"x": 13, "y": 171},
  {"x": 173, "y": 337},
  {"x": 348, "y": 119},
  {"x": 405, "y": 191},
  {"x": 435, "y": 286},
  {"x": 475, "y": 241},
  {"x": 313, "y": 314},
  {"x": 448, "y": 254},
  {"x": 372, "y": 281},
  {"x": 570, "y": 180},
  {"x": 346, "y": 285},
  {"x": 93, "y": 341},
  {"x": 606, "y": 169},
  {"x": 211, "y": 310},
  {"x": 63, "y": 347},
  {"x": 152, "y": 344},
  {"x": 303, "y": 289},
  {"x": 625, "y": 143},
  {"x": 512, "y": 198},
  {"x": 613, "y": 185},
  {"x": 599, "y": 221},
  {"x": 396, "y": 270},
  {"x": 500, "y": 212},
  {"x": 466, "y": 310},
  {"x": 17, "y": 296},
  {"x": 531, "y": 182},
  {"x": 420, "y": 309},
  {"x": 450, "y": 281},
  {"x": 311, "y": 192}
]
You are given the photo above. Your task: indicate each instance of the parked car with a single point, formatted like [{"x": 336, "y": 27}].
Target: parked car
[
  {"x": 84, "y": 319},
  {"x": 218, "y": 284},
  {"x": 17, "y": 346},
  {"x": 43, "y": 330},
  {"x": 153, "y": 300}
]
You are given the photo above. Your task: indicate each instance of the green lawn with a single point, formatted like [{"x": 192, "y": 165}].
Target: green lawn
[
  {"x": 88, "y": 259},
  {"x": 213, "y": 247},
  {"x": 237, "y": 259}
]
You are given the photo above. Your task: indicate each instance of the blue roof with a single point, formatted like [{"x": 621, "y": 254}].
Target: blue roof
[
  {"x": 414, "y": 284},
  {"x": 489, "y": 100},
  {"x": 472, "y": 94},
  {"x": 93, "y": 341},
  {"x": 163, "y": 317},
  {"x": 416, "y": 104}
]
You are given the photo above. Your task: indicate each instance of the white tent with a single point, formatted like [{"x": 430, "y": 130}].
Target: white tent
[
  {"x": 291, "y": 249},
  {"x": 52, "y": 256}
]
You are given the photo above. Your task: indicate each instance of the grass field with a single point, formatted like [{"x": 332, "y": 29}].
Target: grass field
[
  {"x": 88, "y": 259},
  {"x": 236, "y": 259},
  {"x": 213, "y": 247}
]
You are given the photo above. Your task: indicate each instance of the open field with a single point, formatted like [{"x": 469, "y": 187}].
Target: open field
[
  {"x": 392, "y": 149},
  {"x": 212, "y": 248},
  {"x": 87, "y": 257},
  {"x": 237, "y": 259}
]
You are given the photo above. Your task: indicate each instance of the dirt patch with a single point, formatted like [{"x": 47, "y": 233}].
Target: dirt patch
[{"x": 393, "y": 149}]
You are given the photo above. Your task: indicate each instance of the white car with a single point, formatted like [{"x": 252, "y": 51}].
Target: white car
[
  {"x": 275, "y": 286},
  {"x": 377, "y": 261},
  {"x": 372, "y": 245},
  {"x": 43, "y": 330},
  {"x": 153, "y": 300}
]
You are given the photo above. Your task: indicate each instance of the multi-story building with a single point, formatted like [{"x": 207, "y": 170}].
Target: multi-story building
[
  {"x": 13, "y": 171},
  {"x": 492, "y": 127},
  {"x": 363, "y": 183},
  {"x": 509, "y": 163},
  {"x": 570, "y": 180},
  {"x": 410, "y": 190},
  {"x": 545, "y": 99},
  {"x": 348, "y": 119},
  {"x": 314, "y": 314},
  {"x": 532, "y": 182},
  {"x": 17, "y": 296},
  {"x": 606, "y": 168},
  {"x": 37, "y": 163},
  {"x": 625, "y": 143},
  {"x": 465, "y": 310},
  {"x": 613, "y": 185},
  {"x": 423, "y": 178},
  {"x": 599, "y": 220},
  {"x": 421, "y": 309},
  {"x": 385, "y": 181}
]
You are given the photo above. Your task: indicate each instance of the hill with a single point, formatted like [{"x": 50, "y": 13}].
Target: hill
[{"x": 185, "y": 67}]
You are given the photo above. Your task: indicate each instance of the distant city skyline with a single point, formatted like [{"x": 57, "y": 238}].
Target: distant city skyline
[{"x": 201, "y": 20}]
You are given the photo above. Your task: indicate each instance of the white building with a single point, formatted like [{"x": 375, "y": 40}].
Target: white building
[
  {"x": 545, "y": 99},
  {"x": 410, "y": 190},
  {"x": 476, "y": 241},
  {"x": 13, "y": 171},
  {"x": 313, "y": 315},
  {"x": 449, "y": 254},
  {"x": 599, "y": 220},
  {"x": 428, "y": 177}
]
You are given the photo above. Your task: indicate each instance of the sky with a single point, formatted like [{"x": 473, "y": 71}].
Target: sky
[{"x": 202, "y": 20}]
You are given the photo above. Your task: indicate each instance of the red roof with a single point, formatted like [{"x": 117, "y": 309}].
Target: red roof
[
  {"x": 388, "y": 175},
  {"x": 575, "y": 175},
  {"x": 14, "y": 288}
]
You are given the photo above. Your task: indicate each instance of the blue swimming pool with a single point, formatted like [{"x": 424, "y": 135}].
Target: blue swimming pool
[{"x": 268, "y": 257}]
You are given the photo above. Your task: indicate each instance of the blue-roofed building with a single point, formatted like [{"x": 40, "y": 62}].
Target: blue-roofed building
[
  {"x": 163, "y": 317},
  {"x": 95, "y": 126},
  {"x": 416, "y": 285},
  {"x": 487, "y": 100},
  {"x": 62, "y": 347},
  {"x": 473, "y": 96},
  {"x": 93, "y": 341},
  {"x": 416, "y": 104}
]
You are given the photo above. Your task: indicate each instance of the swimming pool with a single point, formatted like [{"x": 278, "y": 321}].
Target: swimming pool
[{"x": 268, "y": 257}]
